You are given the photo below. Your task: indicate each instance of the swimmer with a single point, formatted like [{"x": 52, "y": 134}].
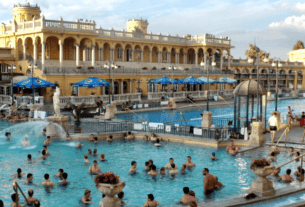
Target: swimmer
[
  {"x": 91, "y": 138},
  {"x": 26, "y": 141},
  {"x": 89, "y": 151},
  {"x": 37, "y": 203},
  {"x": 44, "y": 156},
  {"x": 130, "y": 136},
  {"x": 94, "y": 169},
  {"x": 48, "y": 141},
  {"x": 45, "y": 148},
  {"x": 213, "y": 157},
  {"x": 147, "y": 167},
  {"x": 297, "y": 154},
  {"x": 19, "y": 173},
  {"x": 189, "y": 162},
  {"x": 95, "y": 140},
  {"x": 173, "y": 171},
  {"x": 162, "y": 171},
  {"x": 102, "y": 157},
  {"x": 86, "y": 198},
  {"x": 86, "y": 158},
  {"x": 44, "y": 131},
  {"x": 299, "y": 171},
  {"x": 79, "y": 145},
  {"x": 29, "y": 178},
  {"x": 68, "y": 138},
  {"x": 286, "y": 178},
  {"x": 169, "y": 165},
  {"x": 187, "y": 198},
  {"x": 291, "y": 151},
  {"x": 272, "y": 156},
  {"x": 8, "y": 136},
  {"x": 146, "y": 138},
  {"x": 30, "y": 158},
  {"x": 133, "y": 168},
  {"x": 95, "y": 152},
  {"x": 276, "y": 172},
  {"x": 183, "y": 167},
  {"x": 121, "y": 197},
  {"x": 275, "y": 150},
  {"x": 15, "y": 199},
  {"x": 232, "y": 149},
  {"x": 151, "y": 162},
  {"x": 153, "y": 170},
  {"x": 157, "y": 144},
  {"x": 153, "y": 137},
  {"x": 30, "y": 199},
  {"x": 47, "y": 182},
  {"x": 59, "y": 174},
  {"x": 109, "y": 138},
  {"x": 64, "y": 178},
  {"x": 150, "y": 201}
]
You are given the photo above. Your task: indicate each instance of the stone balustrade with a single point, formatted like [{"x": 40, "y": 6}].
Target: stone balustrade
[
  {"x": 23, "y": 100},
  {"x": 91, "y": 100}
]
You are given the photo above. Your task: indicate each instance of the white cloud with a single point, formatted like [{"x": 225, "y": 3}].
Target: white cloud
[
  {"x": 289, "y": 22},
  {"x": 284, "y": 5},
  {"x": 299, "y": 8}
]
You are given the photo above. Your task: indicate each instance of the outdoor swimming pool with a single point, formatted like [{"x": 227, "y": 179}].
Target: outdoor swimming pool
[
  {"x": 232, "y": 171},
  {"x": 224, "y": 111}
]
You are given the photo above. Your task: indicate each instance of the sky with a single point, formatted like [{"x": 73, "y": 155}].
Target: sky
[{"x": 274, "y": 26}]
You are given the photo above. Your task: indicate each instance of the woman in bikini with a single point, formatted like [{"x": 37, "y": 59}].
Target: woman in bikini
[{"x": 150, "y": 201}]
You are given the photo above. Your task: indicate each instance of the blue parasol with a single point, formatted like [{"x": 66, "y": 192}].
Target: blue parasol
[
  {"x": 226, "y": 80},
  {"x": 164, "y": 80},
  {"x": 205, "y": 80},
  {"x": 191, "y": 81},
  {"x": 33, "y": 83},
  {"x": 92, "y": 83}
]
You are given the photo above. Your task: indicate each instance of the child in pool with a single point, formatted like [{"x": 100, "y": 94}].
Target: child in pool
[{"x": 213, "y": 157}]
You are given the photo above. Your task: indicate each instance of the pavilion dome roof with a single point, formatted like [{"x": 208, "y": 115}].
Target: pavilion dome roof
[{"x": 249, "y": 87}]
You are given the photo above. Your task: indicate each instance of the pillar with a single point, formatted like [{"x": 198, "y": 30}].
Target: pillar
[
  {"x": 122, "y": 84},
  {"x": 207, "y": 119},
  {"x": 61, "y": 55},
  {"x": 196, "y": 59},
  {"x": 123, "y": 55},
  {"x": 142, "y": 56},
  {"x": 150, "y": 56},
  {"x": 168, "y": 57},
  {"x": 35, "y": 52},
  {"x": 132, "y": 55},
  {"x": 43, "y": 56},
  {"x": 77, "y": 54},
  {"x": 93, "y": 55},
  {"x": 84, "y": 53},
  {"x": 177, "y": 58},
  {"x": 184, "y": 58},
  {"x": 205, "y": 60},
  {"x": 221, "y": 61},
  {"x": 102, "y": 54},
  {"x": 213, "y": 60},
  {"x": 103, "y": 90},
  {"x": 24, "y": 50},
  {"x": 257, "y": 136},
  {"x": 130, "y": 85},
  {"x": 159, "y": 56},
  {"x": 228, "y": 61}
]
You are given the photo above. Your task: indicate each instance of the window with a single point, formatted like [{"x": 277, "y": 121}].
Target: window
[
  {"x": 74, "y": 90},
  {"x": 4, "y": 69},
  {"x": 28, "y": 72},
  {"x": 119, "y": 53}
]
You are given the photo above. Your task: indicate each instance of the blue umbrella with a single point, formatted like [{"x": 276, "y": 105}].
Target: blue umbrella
[
  {"x": 164, "y": 80},
  {"x": 205, "y": 80},
  {"x": 33, "y": 82},
  {"x": 191, "y": 81},
  {"x": 226, "y": 80},
  {"x": 92, "y": 83}
]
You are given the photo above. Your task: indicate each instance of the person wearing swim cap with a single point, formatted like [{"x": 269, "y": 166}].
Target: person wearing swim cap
[{"x": 213, "y": 157}]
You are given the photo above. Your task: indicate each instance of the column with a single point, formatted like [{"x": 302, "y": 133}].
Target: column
[
  {"x": 159, "y": 56},
  {"x": 213, "y": 60},
  {"x": 111, "y": 54},
  {"x": 77, "y": 54},
  {"x": 122, "y": 84},
  {"x": 150, "y": 56},
  {"x": 184, "y": 58},
  {"x": 228, "y": 61},
  {"x": 205, "y": 60},
  {"x": 221, "y": 61},
  {"x": 142, "y": 56},
  {"x": 61, "y": 55},
  {"x": 24, "y": 50},
  {"x": 35, "y": 52},
  {"x": 102, "y": 54},
  {"x": 177, "y": 58},
  {"x": 84, "y": 53},
  {"x": 123, "y": 55},
  {"x": 98, "y": 54},
  {"x": 196, "y": 59},
  {"x": 103, "y": 90},
  {"x": 130, "y": 85},
  {"x": 93, "y": 55},
  {"x": 168, "y": 57},
  {"x": 132, "y": 55},
  {"x": 74, "y": 53},
  {"x": 43, "y": 56}
]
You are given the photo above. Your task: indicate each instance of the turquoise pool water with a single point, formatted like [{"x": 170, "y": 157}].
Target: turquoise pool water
[
  {"x": 232, "y": 171},
  {"x": 224, "y": 111}
]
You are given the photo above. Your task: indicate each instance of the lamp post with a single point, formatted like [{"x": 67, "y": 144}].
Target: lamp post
[
  {"x": 12, "y": 67},
  {"x": 276, "y": 64},
  {"x": 110, "y": 66},
  {"x": 202, "y": 65},
  {"x": 172, "y": 67}
]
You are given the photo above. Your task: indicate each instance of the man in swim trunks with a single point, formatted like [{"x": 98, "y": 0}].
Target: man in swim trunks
[
  {"x": 169, "y": 165},
  {"x": 287, "y": 178},
  {"x": 153, "y": 170},
  {"x": 232, "y": 149},
  {"x": 94, "y": 169},
  {"x": 209, "y": 181},
  {"x": 47, "y": 182},
  {"x": 186, "y": 199},
  {"x": 29, "y": 179},
  {"x": 48, "y": 141},
  {"x": 189, "y": 162},
  {"x": 273, "y": 126},
  {"x": 174, "y": 170},
  {"x": 30, "y": 198}
]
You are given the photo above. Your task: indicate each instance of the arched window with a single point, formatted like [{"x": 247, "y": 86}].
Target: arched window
[
  {"x": 116, "y": 87},
  {"x": 119, "y": 52},
  {"x": 125, "y": 86},
  {"x": 28, "y": 72}
]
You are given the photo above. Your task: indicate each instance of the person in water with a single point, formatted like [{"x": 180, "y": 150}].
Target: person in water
[
  {"x": 109, "y": 138},
  {"x": 44, "y": 156},
  {"x": 64, "y": 178},
  {"x": 60, "y": 172},
  {"x": 86, "y": 198},
  {"x": 187, "y": 198},
  {"x": 286, "y": 178},
  {"x": 162, "y": 171},
  {"x": 26, "y": 141},
  {"x": 8, "y": 136},
  {"x": 95, "y": 152},
  {"x": 153, "y": 170},
  {"x": 189, "y": 162},
  {"x": 291, "y": 151},
  {"x": 79, "y": 145},
  {"x": 15, "y": 203},
  {"x": 94, "y": 169},
  {"x": 30, "y": 199},
  {"x": 86, "y": 158},
  {"x": 173, "y": 171},
  {"x": 102, "y": 157},
  {"x": 183, "y": 167},
  {"x": 213, "y": 156},
  {"x": 45, "y": 148},
  {"x": 169, "y": 165},
  {"x": 19, "y": 173},
  {"x": 47, "y": 182},
  {"x": 133, "y": 168},
  {"x": 150, "y": 201},
  {"x": 157, "y": 144},
  {"x": 209, "y": 181},
  {"x": 276, "y": 172},
  {"x": 48, "y": 141},
  {"x": 29, "y": 178}
]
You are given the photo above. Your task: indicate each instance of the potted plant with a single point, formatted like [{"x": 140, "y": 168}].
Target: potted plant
[
  {"x": 110, "y": 185},
  {"x": 261, "y": 167}
]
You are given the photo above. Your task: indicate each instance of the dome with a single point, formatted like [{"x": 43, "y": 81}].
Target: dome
[{"x": 249, "y": 87}]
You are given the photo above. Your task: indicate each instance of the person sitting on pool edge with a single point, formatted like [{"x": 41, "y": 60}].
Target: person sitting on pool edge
[
  {"x": 232, "y": 147},
  {"x": 86, "y": 158},
  {"x": 169, "y": 165},
  {"x": 213, "y": 157},
  {"x": 86, "y": 198},
  {"x": 30, "y": 199},
  {"x": 130, "y": 136},
  {"x": 157, "y": 144},
  {"x": 109, "y": 138},
  {"x": 153, "y": 170},
  {"x": 186, "y": 199},
  {"x": 102, "y": 157},
  {"x": 276, "y": 172},
  {"x": 60, "y": 172},
  {"x": 209, "y": 181},
  {"x": 150, "y": 201},
  {"x": 173, "y": 171},
  {"x": 286, "y": 178},
  {"x": 133, "y": 168},
  {"x": 189, "y": 162},
  {"x": 48, "y": 141},
  {"x": 47, "y": 182},
  {"x": 64, "y": 178},
  {"x": 94, "y": 169}
]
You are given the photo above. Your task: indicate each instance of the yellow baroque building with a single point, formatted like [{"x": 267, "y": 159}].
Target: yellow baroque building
[{"x": 66, "y": 52}]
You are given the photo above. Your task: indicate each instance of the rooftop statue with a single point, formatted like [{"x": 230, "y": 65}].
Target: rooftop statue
[
  {"x": 299, "y": 45},
  {"x": 251, "y": 53}
]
